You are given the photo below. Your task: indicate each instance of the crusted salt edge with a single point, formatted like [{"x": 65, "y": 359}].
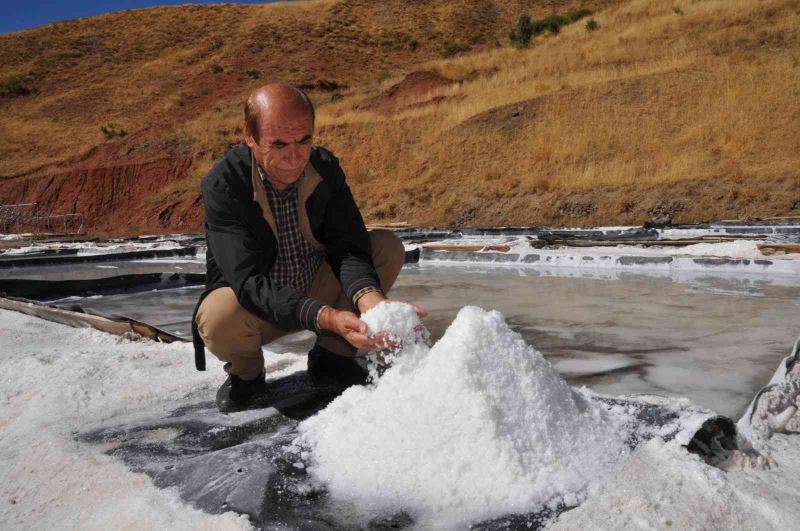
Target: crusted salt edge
[
  {"x": 478, "y": 426},
  {"x": 775, "y": 407},
  {"x": 732, "y": 249},
  {"x": 663, "y": 487},
  {"x": 54, "y": 380}
]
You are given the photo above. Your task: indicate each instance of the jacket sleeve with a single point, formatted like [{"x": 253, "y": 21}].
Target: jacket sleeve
[
  {"x": 348, "y": 248},
  {"x": 242, "y": 261}
]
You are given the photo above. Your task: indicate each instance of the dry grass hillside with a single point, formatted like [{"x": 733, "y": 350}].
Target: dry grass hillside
[{"x": 682, "y": 109}]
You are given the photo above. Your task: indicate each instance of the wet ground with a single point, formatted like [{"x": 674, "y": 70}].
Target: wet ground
[
  {"x": 109, "y": 268},
  {"x": 714, "y": 340}
]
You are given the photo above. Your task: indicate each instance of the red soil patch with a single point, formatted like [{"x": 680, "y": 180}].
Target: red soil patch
[
  {"x": 119, "y": 199},
  {"x": 405, "y": 93},
  {"x": 416, "y": 84}
]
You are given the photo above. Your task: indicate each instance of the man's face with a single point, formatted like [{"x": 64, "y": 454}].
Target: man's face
[{"x": 284, "y": 145}]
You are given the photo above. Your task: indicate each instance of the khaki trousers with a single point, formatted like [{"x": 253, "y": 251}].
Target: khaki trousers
[{"x": 235, "y": 335}]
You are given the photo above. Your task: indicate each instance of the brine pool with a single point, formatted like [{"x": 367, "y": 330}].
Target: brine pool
[{"x": 713, "y": 339}]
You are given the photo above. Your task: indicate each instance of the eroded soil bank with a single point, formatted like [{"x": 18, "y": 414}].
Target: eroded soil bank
[{"x": 157, "y": 195}]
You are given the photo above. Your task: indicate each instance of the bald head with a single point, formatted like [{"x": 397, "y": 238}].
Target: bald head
[{"x": 274, "y": 103}]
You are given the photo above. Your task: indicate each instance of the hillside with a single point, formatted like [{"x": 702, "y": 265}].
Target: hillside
[{"x": 682, "y": 109}]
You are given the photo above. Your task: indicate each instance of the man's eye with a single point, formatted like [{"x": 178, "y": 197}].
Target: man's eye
[
  {"x": 279, "y": 145},
  {"x": 305, "y": 141}
]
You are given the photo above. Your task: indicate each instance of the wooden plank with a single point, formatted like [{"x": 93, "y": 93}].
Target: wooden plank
[
  {"x": 645, "y": 243},
  {"x": 772, "y": 248},
  {"x": 469, "y": 248},
  {"x": 121, "y": 326},
  {"x": 393, "y": 225}
]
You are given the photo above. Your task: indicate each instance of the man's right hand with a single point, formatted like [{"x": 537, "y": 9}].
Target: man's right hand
[{"x": 349, "y": 326}]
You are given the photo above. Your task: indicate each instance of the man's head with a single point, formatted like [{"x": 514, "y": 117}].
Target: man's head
[{"x": 278, "y": 127}]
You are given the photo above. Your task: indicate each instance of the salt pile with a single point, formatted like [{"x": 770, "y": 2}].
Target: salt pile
[{"x": 476, "y": 427}]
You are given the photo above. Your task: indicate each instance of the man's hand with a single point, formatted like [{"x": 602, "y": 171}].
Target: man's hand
[
  {"x": 373, "y": 298},
  {"x": 354, "y": 330},
  {"x": 350, "y": 327}
]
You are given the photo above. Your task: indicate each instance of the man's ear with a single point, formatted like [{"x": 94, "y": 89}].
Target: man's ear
[{"x": 248, "y": 138}]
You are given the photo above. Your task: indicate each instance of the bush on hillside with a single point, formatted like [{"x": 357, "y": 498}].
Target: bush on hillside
[
  {"x": 112, "y": 130},
  {"x": 552, "y": 24},
  {"x": 452, "y": 48},
  {"x": 521, "y": 35},
  {"x": 13, "y": 86},
  {"x": 526, "y": 28},
  {"x": 575, "y": 16},
  {"x": 592, "y": 25}
]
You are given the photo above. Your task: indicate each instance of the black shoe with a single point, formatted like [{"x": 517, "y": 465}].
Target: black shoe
[
  {"x": 237, "y": 394},
  {"x": 326, "y": 369}
]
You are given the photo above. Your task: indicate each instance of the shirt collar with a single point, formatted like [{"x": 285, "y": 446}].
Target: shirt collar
[{"x": 270, "y": 188}]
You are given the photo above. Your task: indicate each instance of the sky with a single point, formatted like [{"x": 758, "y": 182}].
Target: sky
[{"x": 24, "y": 14}]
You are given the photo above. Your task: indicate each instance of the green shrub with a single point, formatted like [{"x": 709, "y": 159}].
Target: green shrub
[
  {"x": 111, "y": 130},
  {"x": 592, "y": 25},
  {"x": 451, "y": 48},
  {"x": 383, "y": 77},
  {"x": 13, "y": 86},
  {"x": 575, "y": 16},
  {"x": 216, "y": 69},
  {"x": 254, "y": 74},
  {"x": 413, "y": 44},
  {"x": 553, "y": 23},
  {"x": 521, "y": 35}
]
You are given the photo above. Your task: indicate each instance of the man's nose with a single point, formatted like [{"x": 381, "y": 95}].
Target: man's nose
[{"x": 297, "y": 154}]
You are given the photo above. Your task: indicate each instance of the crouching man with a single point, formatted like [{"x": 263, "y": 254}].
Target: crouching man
[{"x": 287, "y": 250}]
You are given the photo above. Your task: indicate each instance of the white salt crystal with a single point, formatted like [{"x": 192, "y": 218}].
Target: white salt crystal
[
  {"x": 399, "y": 319},
  {"x": 404, "y": 329}
]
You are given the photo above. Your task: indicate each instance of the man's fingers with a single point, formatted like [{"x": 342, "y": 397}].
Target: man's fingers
[
  {"x": 421, "y": 312},
  {"x": 360, "y": 340},
  {"x": 384, "y": 340},
  {"x": 350, "y": 321},
  {"x": 356, "y": 324},
  {"x": 379, "y": 341}
]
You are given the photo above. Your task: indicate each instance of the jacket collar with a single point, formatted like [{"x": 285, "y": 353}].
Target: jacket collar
[{"x": 306, "y": 185}]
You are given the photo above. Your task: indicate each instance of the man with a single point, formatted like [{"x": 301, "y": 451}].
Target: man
[{"x": 287, "y": 250}]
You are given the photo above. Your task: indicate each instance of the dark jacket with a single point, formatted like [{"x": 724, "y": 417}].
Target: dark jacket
[{"x": 242, "y": 246}]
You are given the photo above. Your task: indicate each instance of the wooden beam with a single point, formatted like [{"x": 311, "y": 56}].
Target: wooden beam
[
  {"x": 469, "y": 248},
  {"x": 120, "y": 326},
  {"x": 772, "y": 248}
]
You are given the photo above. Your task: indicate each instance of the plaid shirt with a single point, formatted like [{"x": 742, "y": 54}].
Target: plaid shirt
[{"x": 297, "y": 260}]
